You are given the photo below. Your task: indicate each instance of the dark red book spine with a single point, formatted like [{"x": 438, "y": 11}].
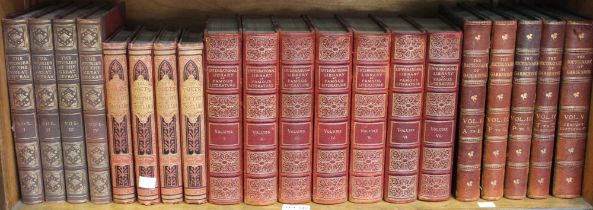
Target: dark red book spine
[
  {"x": 498, "y": 104},
  {"x": 224, "y": 127},
  {"x": 296, "y": 116},
  {"x": 369, "y": 115},
  {"x": 440, "y": 112},
  {"x": 546, "y": 109},
  {"x": 573, "y": 114},
  {"x": 406, "y": 98}
]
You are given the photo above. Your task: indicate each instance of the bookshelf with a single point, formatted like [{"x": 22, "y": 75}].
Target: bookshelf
[{"x": 193, "y": 13}]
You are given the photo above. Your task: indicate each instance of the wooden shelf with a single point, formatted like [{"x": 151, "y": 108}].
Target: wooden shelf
[{"x": 550, "y": 203}]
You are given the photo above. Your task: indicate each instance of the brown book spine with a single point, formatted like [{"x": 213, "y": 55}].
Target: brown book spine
[
  {"x": 167, "y": 123},
  {"x": 440, "y": 108},
  {"x": 333, "y": 75},
  {"x": 46, "y": 100},
  {"x": 474, "y": 79},
  {"x": 405, "y": 116},
  {"x": 498, "y": 105},
  {"x": 193, "y": 135},
  {"x": 260, "y": 85},
  {"x": 224, "y": 126},
  {"x": 369, "y": 115},
  {"x": 22, "y": 109},
  {"x": 575, "y": 94},
  {"x": 144, "y": 120},
  {"x": 297, "y": 56},
  {"x": 546, "y": 109},
  {"x": 522, "y": 108},
  {"x": 118, "y": 121}
]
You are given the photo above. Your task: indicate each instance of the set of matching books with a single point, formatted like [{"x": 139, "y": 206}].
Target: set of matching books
[{"x": 299, "y": 109}]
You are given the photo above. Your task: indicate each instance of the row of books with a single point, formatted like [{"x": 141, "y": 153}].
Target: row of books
[{"x": 294, "y": 109}]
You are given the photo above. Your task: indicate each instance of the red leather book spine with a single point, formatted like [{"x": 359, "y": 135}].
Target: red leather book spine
[
  {"x": 297, "y": 55},
  {"x": 193, "y": 135},
  {"x": 405, "y": 116},
  {"x": 440, "y": 112},
  {"x": 333, "y": 75},
  {"x": 573, "y": 120},
  {"x": 546, "y": 109},
  {"x": 224, "y": 127},
  {"x": 119, "y": 126},
  {"x": 498, "y": 104},
  {"x": 143, "y": 121},
  {"x": 369, "y": 115},
  {"x": 474, "y": 79},
  {"x": 522, "y": 108},
  {"x": 260, "y": 85},
  {"x": 167, "y": 122}
]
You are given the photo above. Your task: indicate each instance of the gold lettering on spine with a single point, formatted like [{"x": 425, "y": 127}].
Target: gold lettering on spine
[
  {"x": 167, "y": 104},
  {"x": 142, "y": 99},
  {"x": 117, "y": 98}
]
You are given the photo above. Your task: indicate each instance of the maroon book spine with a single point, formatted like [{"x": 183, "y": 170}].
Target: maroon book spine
[
  {"x": 369, "y": 114},
  {"x": 224, "y": 126},
  {"x": 406, "y": 96},
  {"x": 296, "y": 115},
  {"x": 573, "y": 114},
  {"x": 440, "y": 108},
  {"x": 546, "y": 109}
]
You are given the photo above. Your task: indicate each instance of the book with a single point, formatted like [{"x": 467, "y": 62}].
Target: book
[
  {"x": 167, "y": 115},
  {"x": 260, "y": 85},
  {"x": 406, "y": 96},
  {"x": 333, "y": 67},
  {"x": 191, "y": 111},
  {"x": 472, "y": 104},
  {"x": 440, "y": 108},
  {"x": 498, "y": 101},
  {"x": 22, "y": 103},
  {"x": 223, "y": 40},
  {"x": 371, "y": 44},
  {"x": 92, "y": 30},
  {"x": 297, "y": 57},
  {"x": 119, "y": 124},
  {"x": 144, "y": 134}
]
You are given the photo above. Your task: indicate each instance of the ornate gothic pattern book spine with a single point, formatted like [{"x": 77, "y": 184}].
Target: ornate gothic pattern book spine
[
  {"x": 333, "y": 76},
  {"x": 371, "y": 44},
  {"x": 144, "y": 132},
  {"x": 223, "y": 39},
  {"x": 92, "y": 30},
  {"x": 167, "y": 116},
  {"x": 407, "y": 74},
  {"x": 260, "y": 85},
  {"x": 119, "y": 134},
  {"x": 474, "y": 79},
  {"x": 193, "y": 133},
  {"x": 440, "y": 109},
  {"x": 297, "y": 55}
]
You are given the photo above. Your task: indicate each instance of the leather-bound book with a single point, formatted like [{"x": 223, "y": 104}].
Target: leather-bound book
[
  {"x": 144, "y": 134},
  {"x": 406, "y": 95},
  {"x": 191, "y": 114},
  {"x": 223, "y": 40},
  {"x": 22, "y": 103},
  {"x": 440, "y": 108},
  {"x": 260, "y": 85},
  {"x": 546, "y": 104},
  {"x": 119, "y": 124},
  {"x": 472, "y": 104},
  {"x": 167, "y": 116},
  {"x": 46, "y": 98},
  {"x": 574, "y": 104},
  {"x": 369, "y": 108},
  {"x": 297, "y": 54},
  {"x": 333, "y": 76},
  {"x": 69, "y": 95},
  {"x": 498, "y": 101},
  {"x": 92, "y": 30}
]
